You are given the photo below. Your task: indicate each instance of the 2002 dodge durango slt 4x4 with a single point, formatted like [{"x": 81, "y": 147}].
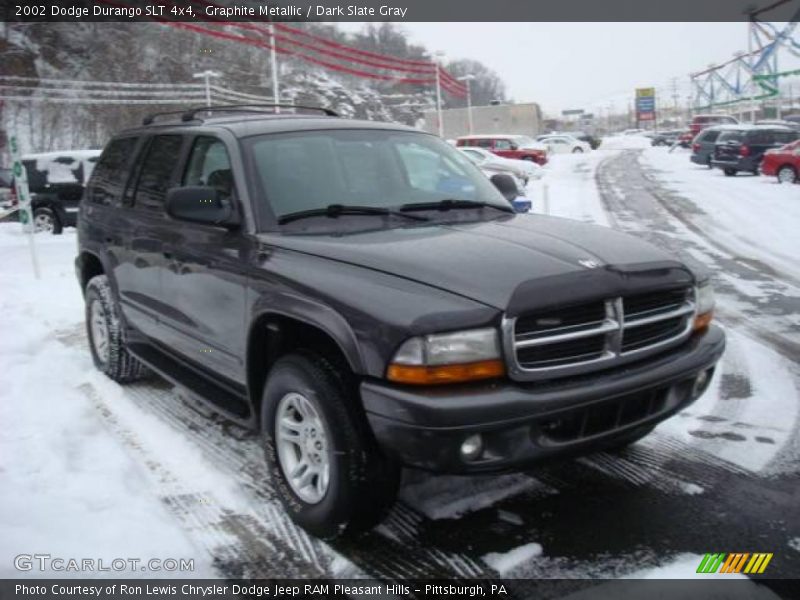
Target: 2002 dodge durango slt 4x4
[{"x": 364, "y": 297}]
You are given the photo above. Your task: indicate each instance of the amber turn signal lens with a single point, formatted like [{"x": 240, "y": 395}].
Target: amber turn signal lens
[
  {"x": 422, "y": 375},
  {"x": 703, "y": 321}
]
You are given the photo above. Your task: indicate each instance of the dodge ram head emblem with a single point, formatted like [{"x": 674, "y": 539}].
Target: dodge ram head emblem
[{"x": 588, "y": 263}]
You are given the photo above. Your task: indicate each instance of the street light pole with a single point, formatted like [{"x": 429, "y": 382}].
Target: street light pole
[
  {"x": 273, "y": 57},
  {"x": 467, "y": 79},
  {"x": 438, "y": 56},
  {"x": 207, "y": 75}
]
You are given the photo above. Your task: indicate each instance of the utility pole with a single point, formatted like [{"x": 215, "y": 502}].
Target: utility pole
[
  {"x": 750, "y": 34},
  {"x": 207, "y": 75},
  {"x": 438, "y": 56},
  {"x": 675, "y": 111},
  {"x": 467, "y": 79},
  {"x": 273, "y": 58}
]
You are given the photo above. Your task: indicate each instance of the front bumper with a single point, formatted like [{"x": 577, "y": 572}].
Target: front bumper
[{"x": 522, "y": 424}]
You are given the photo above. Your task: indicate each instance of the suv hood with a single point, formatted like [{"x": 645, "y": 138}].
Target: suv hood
[{"x": 489, "y": 261}]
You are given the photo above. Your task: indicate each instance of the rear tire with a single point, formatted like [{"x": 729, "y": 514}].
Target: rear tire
[
  {"x": 106, "y": 336},
  {"x": 577, "y": 150},
  {"x": 45, "y": 220},
  {"x": 346, "y": 486},
  {"x": 787, "y": 174},
  {"x": 730, "y": 172}
]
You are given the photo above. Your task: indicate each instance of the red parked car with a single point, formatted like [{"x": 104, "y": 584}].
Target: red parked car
[
  {"x": 783, "y": 163},
  {"x": 700, "y": 122},
  {"x": 508, "y": 146}
]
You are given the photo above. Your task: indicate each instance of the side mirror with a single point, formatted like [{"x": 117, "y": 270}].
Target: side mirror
[
  {"x": 201, "y": 204},
  {"x": 506, "y": 185}
]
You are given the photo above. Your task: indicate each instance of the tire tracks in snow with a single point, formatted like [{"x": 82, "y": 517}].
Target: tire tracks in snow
[
  {"x": 239, "y": 544},
  {"x": 635, "y": 204},
  {"x": 256, "y": 537}
]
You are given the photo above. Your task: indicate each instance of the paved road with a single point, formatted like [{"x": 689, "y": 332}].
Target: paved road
[{"x": 678, "y": 491}]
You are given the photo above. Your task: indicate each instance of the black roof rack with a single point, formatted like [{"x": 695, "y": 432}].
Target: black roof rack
[
  {"x": 191, "y": 114},
  {"x": 150, "y": 119}
]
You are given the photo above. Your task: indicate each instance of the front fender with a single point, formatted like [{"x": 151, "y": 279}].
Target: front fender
[{"x": 317, "y": 314}]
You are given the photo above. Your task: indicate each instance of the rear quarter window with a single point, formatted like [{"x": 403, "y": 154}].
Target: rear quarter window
[{"x": 111, "y": 171}]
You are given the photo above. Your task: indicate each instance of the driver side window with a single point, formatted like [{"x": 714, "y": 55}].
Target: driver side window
[
  {"x": 502, "y": 145},
  {"x": 209, "y": 165}
]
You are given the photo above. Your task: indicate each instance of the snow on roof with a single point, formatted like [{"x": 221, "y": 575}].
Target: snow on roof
[
  {"x": 67, "y": 166},
  {"x": 76, "y": 154}
]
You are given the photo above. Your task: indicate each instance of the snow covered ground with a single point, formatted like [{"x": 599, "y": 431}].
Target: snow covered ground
[
  {"x": 99, "y": 471},
  {"x": 755, "y": 215},
  {"x": 69, "y": 488}
]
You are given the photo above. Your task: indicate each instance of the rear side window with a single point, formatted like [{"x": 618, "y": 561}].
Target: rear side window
[
  {"x": 111, "y": 171},
  {"x": 483, "y": 143},
  {"x": 710, "y": 136},
  {"x": 157, "y": 171},
  {"x": 731, "y": 136},
  {"x": 760, "y": 137},
  {"x": 785, "y": 137}
]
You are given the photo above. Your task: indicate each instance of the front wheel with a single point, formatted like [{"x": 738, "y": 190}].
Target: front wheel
[
  {"x": 729, "y": 172},
  {"x": 45, "y": 220},
  {"x": 529, "y": 158},
  {"x": 330, "y": 475},
  {"x": 787, "y": 174},
  {"x": 106, "y": 337},
  {"x": 577, "y": 151}
]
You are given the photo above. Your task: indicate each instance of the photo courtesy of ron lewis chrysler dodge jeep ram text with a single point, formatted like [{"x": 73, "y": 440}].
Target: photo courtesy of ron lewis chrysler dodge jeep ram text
[{"x": 361, "y": 294}]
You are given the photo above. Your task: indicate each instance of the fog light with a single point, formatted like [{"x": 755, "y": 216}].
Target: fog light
[
  {"x": 472, "y": 447},
  {"x": 701, "y": 383}
]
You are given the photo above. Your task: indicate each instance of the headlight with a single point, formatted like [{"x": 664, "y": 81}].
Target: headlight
[
  {"x": 448, "y": 358},
  {"x": 704, "y": 299}
]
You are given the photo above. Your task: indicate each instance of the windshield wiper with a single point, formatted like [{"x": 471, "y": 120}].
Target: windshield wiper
[
  {"x": 449, "y": 204},
  {"x": 337, "y": 210}
]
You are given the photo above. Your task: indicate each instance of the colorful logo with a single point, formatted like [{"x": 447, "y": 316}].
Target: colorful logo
[{"x": 741, "y": 562}]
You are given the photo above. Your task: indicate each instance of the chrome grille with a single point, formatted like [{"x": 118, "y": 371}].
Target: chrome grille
[{"x": 598, "y": 334}]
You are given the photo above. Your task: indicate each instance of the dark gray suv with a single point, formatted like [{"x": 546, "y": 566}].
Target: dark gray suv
[{"x": 362, "y": 295}]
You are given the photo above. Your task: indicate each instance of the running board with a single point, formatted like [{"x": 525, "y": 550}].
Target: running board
[{"x": 226, "y": 398}]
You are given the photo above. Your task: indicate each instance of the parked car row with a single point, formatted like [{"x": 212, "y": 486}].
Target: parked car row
[
  {"x": 771, "y": 149},
  {"x": 520, "y": 147}
]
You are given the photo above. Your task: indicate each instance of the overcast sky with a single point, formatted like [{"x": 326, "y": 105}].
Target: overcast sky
[{"x": 584, "y": 65}]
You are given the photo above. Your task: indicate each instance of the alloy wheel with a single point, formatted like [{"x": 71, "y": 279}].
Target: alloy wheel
[
  {"x": 787, "y": 175},
  {"x": 43, "y": 222},
  {"x": 302, "y": 445}
]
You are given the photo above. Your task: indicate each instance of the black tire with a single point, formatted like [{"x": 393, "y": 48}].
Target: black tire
[
  {"x": 529, "y": 158},
  {"x": 117, "y": 363},
  {"x": 630, "y": 438},
  {"x": 789, "y": 174},
  {"x": 577, "y": 150},
  {"x": 363, "y": 483},
  {"x": 49, "y": 221},
  {"x": 730, "y": 172}
]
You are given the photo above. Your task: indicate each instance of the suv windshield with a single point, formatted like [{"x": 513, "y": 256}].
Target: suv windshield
[{"x": 312, "y": 170}]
